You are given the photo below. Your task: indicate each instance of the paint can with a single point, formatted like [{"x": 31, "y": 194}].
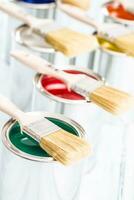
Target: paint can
[
  {"x": 117, "y": 68},
  {"x": 28, "y": 172},
  {"x": 117, "y": 14},
  {"x": 39, "y": 8}
]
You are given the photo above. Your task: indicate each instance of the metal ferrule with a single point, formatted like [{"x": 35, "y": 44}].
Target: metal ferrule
[
  {"x": 86, "y": 86},
  {"x": 117, "y": 31},
  {"x": 45, "y": 28},
  {"x": 40, "y": 129},
  {"x": 44, "y": 92}
]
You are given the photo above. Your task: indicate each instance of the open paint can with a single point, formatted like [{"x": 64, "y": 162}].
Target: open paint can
[
  {"x": 117, "y": 14},
  {"x": 28, "y": 172},
  {"x": 25, "y": 37},
  {"x": 116, "y": 67}
]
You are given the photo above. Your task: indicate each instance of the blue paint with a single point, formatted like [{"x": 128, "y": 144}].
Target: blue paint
[{"x": 38, "y": 1}]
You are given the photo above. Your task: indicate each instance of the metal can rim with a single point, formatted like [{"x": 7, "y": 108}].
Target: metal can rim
[
  {"x": 37, "y": 84},
  {"x": 19, "y": 40},
  {"x": 39, "y": 6},
  {"x": 115, "y": 53},
  {"x": 6, "y": 141}
]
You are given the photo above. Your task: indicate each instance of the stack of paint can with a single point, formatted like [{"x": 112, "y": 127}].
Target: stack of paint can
[{"x": 23, "y": 159}]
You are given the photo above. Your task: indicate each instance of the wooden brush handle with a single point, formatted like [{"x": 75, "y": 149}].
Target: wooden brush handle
[
  {"x": 15, "y": 11},
  {"x": 78, "y": 14},
  {"x": 9, "y": 108},
  {"x": 40, "y": 65}
]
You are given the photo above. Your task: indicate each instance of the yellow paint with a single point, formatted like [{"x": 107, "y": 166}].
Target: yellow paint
[{"x": 109, "y": 46}]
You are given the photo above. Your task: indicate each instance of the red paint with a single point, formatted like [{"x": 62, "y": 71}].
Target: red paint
[
  {"x": 58, "y": 88},
  {"x": 119, "y": 12}
]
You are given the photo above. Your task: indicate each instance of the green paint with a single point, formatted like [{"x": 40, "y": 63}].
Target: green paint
[{"x": 26, "y": 144}]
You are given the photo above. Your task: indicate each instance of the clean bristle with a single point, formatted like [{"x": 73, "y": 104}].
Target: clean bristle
[
  {"x": 126, "y": 43},
  {"x": 84, "y": 4},
  {"x": 112, "y": 100},
  {"x": 65, "y": 147},
  {"x": 71, "y": 43}
]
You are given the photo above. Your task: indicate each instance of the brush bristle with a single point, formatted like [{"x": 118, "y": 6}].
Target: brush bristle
[
  {"x": 65, "y": 147},
  {"x": 112, "y": 100},
  {"x": 126, "y": 43},
  {"x": 71, "y": 43},
  {"x": 84, "y": 4}
]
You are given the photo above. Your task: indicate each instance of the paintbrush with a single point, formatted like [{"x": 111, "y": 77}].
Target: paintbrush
[
  {"x": 63, "y": 39},
  {"x": 108, "y": 98},
  {"x": 121, "y": 36},
  {"x": 84, "y": 4},
  {"x": 60, "y": 144}
]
